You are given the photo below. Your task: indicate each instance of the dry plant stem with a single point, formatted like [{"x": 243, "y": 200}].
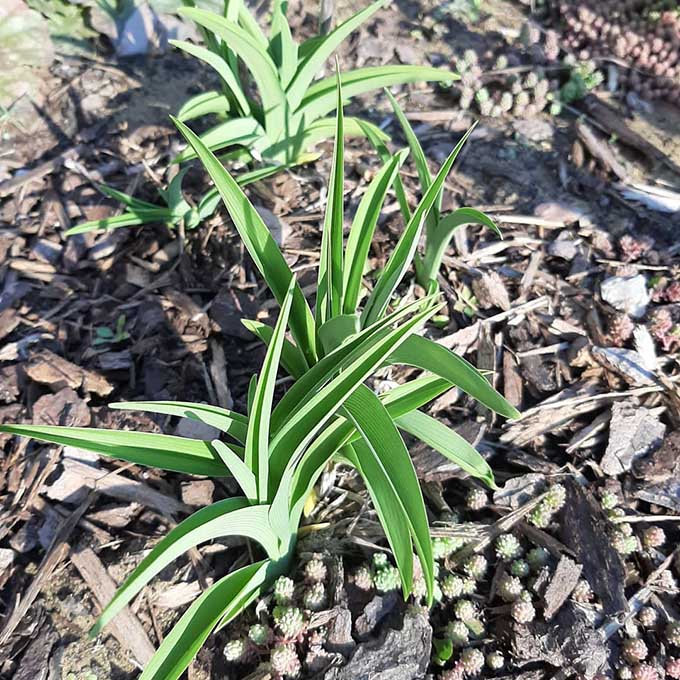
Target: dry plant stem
[
  {"x": 126, "y": 627},
  {"x": 58, "y": 550}
]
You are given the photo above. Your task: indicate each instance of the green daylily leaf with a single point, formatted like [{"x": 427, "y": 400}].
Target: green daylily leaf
[
  {"x": 320, "y": 52},
  {"x": 260, "y": 244},
  {"x": 134, "y": 218},
  {"x": 203, "y": 105},
  {"x": 363, "y": 228},
  {"x": 229, "y": 422},
  {"x": 292, "y": 359},
  {"x": 383, "y": 442},
  {"x": 402, "y": 255},
  {"x": 239, "y": 470},
  {"x": 423, "y": 353},
  {"x": 178, "y": 454},
  {"x": 336, "y": 330},
  {"x": 222, "y": 68},
  {"x": 448, "y": 442},
  {"x": 229, "y": 517},
  {"x": 329, "y": 286},
  {"x": 319, "y": 99},
  {"x": 259, "y": 411},
  {"x": 182, "y": 643}
]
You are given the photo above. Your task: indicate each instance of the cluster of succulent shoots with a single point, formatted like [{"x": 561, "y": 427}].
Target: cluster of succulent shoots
[
  {"x": 516, "y": 83},
  {"x": 277, "y": 639},
  {"x": 644, "y": 34},
  {"x": 664, "y": 290}
]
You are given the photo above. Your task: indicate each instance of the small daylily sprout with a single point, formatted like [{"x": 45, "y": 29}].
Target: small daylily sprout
[{"x": 472, "y": 660}]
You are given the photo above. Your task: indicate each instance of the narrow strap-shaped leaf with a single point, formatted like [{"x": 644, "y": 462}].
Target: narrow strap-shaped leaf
[
  {"x": 250, "y": 25},
  {"x": 222, "y": 67},
  {"x": 448, "y": 442},
  {"x": 229, "y": 517},
  {"x": 128, "y": 219},
  {"x": 255, "y": 58},
  {"x": 329, "y": 287},
  {"x": 204, "y": 104},
  {"x": 328, "y": 366},
  {"x": 423, "y": 353},
  {"x": 439, "y": 237},
  {"x": 388, "y": 506},
  {"x": 383, "y": 441},
  {"x": 362, "y": 229},
  {"x": 400, "y": 259},
  {"x": 319, "y": 99},
  {"x": 125, "y": 199},
  {"x": 259, "y": 413},
  {"x": 337, "y": 330},
  {"x": 385, "y": 155},
  {"x": 317, "y": 131},
  {"x": 322, "y": 50},
  {"x": 235, "y": 132},
  {"x": 260, "y": 245},
  {"x": 167, "y": 452},
  {"x": 307, "y": 421},
  {"x": 182, "y": 643},
  {"x": 229, "y": 422},
  {"x": 282, "y": 47},
  {"x": 420, "y": 161},
  {"x": 239, "y": 470},
  {"x": 292, "y": 359}
]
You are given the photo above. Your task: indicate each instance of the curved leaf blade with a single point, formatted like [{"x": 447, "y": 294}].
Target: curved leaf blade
[
  {"x": 423, "y": 353},
  {"x": 230, "y": 517},
  {"x": 178, "y": 454}
]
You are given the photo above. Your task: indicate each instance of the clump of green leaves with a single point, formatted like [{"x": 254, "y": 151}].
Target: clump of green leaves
[
  {"x": 583, "y": 77},
  {"x": 276, "y": 453},
  {"x": 270, "y": 107},
  {"x": 290, "y": 111}
]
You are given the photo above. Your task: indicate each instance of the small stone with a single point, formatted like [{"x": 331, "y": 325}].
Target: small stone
[
  {"x": 626, "y": 294},
  {"x": 198, "y": 493}
]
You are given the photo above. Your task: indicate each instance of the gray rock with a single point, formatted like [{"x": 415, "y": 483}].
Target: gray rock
[
  {"x": 196, "y": 430},
  {"x": 633, "y": 433},
  {"x": 627, "y": 294},
  {"x": 279, "y": 229},
  {"x": 397, "y": 655},
  {"x": 564, "y": 248},
  {"x": 374, "y": 612}
]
